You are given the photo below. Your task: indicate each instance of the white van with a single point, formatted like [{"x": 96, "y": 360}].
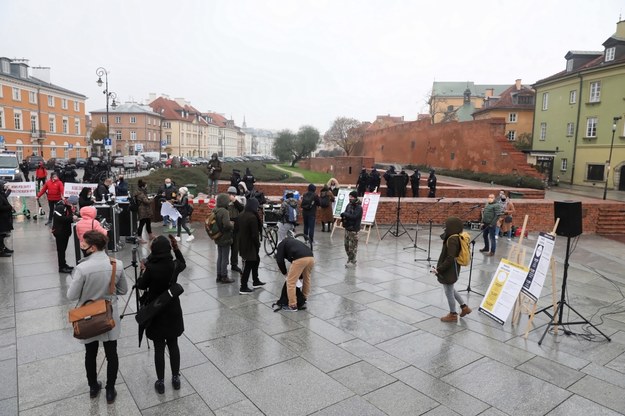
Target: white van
[{"x": 133, "y": 162}]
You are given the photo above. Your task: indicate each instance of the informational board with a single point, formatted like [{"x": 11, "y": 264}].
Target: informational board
[
  {"x": 168, "y": 209},
  {"x": 503, "y": 291},
  {"x": 370, "y": 206},
  {"x": 341, "y": 201},
  {"x": 539, "y": 266},
  {"x": 22, "y": 188},
  {"x": 71, "y": 188}
]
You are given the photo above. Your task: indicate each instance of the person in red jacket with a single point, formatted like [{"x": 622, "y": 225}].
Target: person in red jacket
[
  {"x": 41, "y": 174},
  {"x": 53, "y": 188}
]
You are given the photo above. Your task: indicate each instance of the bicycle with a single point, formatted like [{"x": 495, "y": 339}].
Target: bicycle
[{"x": 271, "y": 217}]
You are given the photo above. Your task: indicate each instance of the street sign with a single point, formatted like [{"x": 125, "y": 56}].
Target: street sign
[
  {"x": 163, "y": 143},
  {"x": 1, "y": 142},
  {"x": 107, "y": 141},
  {"x": 138, "y": 147}
]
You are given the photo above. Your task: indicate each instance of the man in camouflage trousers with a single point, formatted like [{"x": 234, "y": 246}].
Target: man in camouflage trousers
[{"x": 351, "y": 218}]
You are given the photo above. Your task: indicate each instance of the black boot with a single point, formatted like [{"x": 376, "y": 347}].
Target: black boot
[{"x": 226, "y": 279}]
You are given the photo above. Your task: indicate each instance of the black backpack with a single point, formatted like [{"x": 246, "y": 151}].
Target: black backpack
[
  {"x": 308, "y": 200},
  {"x": 284, "y": 299}
]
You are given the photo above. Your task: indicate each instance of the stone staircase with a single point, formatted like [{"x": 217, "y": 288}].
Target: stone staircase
[
  {"x": 517, "y": 158},
  {"x": 611, "y": 221}
]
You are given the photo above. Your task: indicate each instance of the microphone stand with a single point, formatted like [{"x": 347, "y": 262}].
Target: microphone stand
[{"x": 430, "y": 221}]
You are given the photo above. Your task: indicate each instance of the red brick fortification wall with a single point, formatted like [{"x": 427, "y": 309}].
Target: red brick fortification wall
[
  {"x": 478, "y": 146},
  {"x": 540, "y": 212},
  {"x": 344, "y": 168}
]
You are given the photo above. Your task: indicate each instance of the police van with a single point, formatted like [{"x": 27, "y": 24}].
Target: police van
[{"x": 10, "y": 167}]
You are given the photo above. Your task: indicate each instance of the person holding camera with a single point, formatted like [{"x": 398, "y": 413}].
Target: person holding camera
[
  {"x": 214, "y": 171},
  {"x": 158, "y": 272}
]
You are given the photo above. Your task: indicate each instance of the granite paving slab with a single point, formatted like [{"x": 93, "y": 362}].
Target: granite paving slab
[
  {"x": 191, "y": 405},
  {"x": 496, "y": 350},
  {"x": 241, "y": 408},
  {"x": 329, "y": 305},
  {"x": 215, "y": 323},
  {"x": 400, "y": 399},
  {"x": 362, "y": 377},
  {"x": 601, "y": 392},
  {"x": 550, "y": 371},
  {"x": 264, "y": 318},
  {"x": 400, "y": 312},
  {"x": 576, "y": 405},
  {"x": 355, "y": 405},
  {"x": 215, "y": 389},
  {"x": 371, "y": 326},
  {"x": 40, "y": 298},
  {"x": 47, "y": 345}
]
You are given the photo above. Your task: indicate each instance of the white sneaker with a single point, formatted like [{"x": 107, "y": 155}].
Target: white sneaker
[
  {"x": 177, "y": 238},
  {"x": 190, "y": 238}
]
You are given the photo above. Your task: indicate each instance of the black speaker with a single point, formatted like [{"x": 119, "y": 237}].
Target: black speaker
[
  {"x": 398, "y": 184},
  {"x": 570, "y": 214}
]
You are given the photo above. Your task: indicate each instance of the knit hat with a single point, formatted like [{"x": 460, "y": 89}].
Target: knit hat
[
  {"x": 354, "y": 194},
  {"x": 73, "y": 199},
  {"x": 232, "y": 190}
]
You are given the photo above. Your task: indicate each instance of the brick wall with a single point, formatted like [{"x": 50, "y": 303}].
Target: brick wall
[{"x": 344, "y": 168}]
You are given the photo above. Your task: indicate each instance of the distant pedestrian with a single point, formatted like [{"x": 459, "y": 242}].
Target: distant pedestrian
[
  {"x": 326, "y": 199},
  {"x": 288, "y": 216},
  {"x": 403, "y": 183},
  {"x": 333, "y": 184},
  {"x": 351, "y": 219},
  {"x": 214, "y": 172},
  {"x": 121, "y": 186},
  {"x": 41, "y": 174},
  {"x": 64, "y": 216},
  {"x": 388, "y": 178},
  {"x": 374, "y": 180},
  {"x": 432, "y": 184},
  {"x": 236, "y": 205},
  {"x": 25, "y": 170},
  {"x": 415, "y": 179},
  {"x": 144, "y": 211},
  {"x": 85, "y": 197},
  {"x": 310, "y": 202},
  {"x": 235, "y": 179}
]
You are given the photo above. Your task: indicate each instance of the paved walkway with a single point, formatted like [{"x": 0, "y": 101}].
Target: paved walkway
[{"x": 370, "y": 343}]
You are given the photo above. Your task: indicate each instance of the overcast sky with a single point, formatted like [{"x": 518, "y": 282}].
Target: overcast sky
[{"x": 284, "y": 64}]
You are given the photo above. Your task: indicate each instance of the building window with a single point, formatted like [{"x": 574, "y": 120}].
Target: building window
[
  {"x": 118, "y": 120},
  {"x": 591, "y": 127},
  {"x": 511, "y": 135},
  {"x": 118, "y": 135},
  {"x": 17, "y": 120},
  {"x": 19, "y": 150},
  {"x": 149, "y": 135},
  {"x": 64, "y": 103},
  {"x": 50, "y": 101},
  {"x": 573, "y": 97},
  {"x": 76, "y": 106},
  {"x": 77, "y": 126},
  {"x": 545, "y": 100},
  {"x": 570, "y": 129},
  {"x": 595, "y": 173},
  {"x": 32, "y": 97},
  {"x": 1, "y": 118},
  {"x": 17, "y": 94},
  {"x": 66, "y": 150},
  {"x": 133, "y": 120},
  {"x": 543, "y": 131},
  {"x": 52, "y": 123},
  {"x": 595, "y": 92},
  {"x": 512, "y": 118},
  {"x": 564, "y": 164},
  {"x": 103, "y": 119},
  {"x": 133, "y": 135},
  {"x": 34, "y": 123},
  {"x": 65, "y": 125},
  {"x": 525, "y": 99},
  {"x": 168, "y": 140},
  {"x": 149, "y": 121},
  {"x": 609, "y": 54},
  {"x": 53, "y": 149}
]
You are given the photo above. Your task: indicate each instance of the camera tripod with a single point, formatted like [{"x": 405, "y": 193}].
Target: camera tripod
[
  {"x": 135, "y": 265},
  {"x": 397, "y": 223}
]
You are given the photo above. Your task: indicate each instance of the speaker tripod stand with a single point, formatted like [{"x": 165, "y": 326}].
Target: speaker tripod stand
[{"x": 395, "y": 232}]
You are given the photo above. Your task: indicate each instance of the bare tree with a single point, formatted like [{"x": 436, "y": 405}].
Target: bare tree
[{"x": 345, "y": 133}]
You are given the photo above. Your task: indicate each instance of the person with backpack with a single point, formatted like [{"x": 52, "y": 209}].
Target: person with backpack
[
  {"x": 361, "y": 182},
  {"x": 288, "y": 215},
  {"x": 310, "y": 202},
  {"x": 250, "y": 226},
  {"x": 88, "y": 222},
  {"x": 448, "y": 268},
  {"x": 224, "y": 240},
  {"x": 351, "y": 219},
  {"x": 144, "y": 211},
  {"x": 214, "y": 172},
  {"x": 236, "y": 205},
  {"x": 185, "y": 211},
  {"x": 326, "y": 198},
  {"x": 302, "y": 261}
]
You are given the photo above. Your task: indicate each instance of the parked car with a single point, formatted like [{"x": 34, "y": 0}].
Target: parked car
[
  {"x": 117, "y": 161},
  {"x": 10, "y": 168},
  {"x": 78, "y": 162},
  {"x": 33, "y": 161},
  {"x": 183, "y": 162}
]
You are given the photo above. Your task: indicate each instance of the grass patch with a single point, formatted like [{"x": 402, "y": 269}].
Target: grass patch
[{"x": 309, "y": 176}]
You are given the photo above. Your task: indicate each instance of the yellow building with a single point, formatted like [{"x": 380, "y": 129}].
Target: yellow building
[{"x": 457, "y": 101}]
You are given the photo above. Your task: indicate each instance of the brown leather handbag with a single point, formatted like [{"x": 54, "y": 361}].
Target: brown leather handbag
[{"x": 94, "y": 317}]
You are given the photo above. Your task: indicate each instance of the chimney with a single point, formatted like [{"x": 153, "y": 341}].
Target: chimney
[
  {"x": 41, "y": 72},
  {"x": 181, "y": 101},
  {"x": 151, "y": 97},
  {"x": 517, "y": 84},
  {"x": 489, "y": 92},
  {"x": 620, "y": 29}
]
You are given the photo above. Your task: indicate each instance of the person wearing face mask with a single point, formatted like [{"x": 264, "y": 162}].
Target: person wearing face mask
[
  {"x": 351, "y": 218},
  {"x": 6, "y": 219},
  {"x": 91, "y": 281},
  {"x": 53, "y": 188},
  {"x": 144, "y": 211},
  {"x": 41, "y": 174},
  {"x": 168, "y": 192},
  {"x": 64, "y": 216},
  {"x": 214, "y": 171},
  {"x": 333, "y": 185},
  {"x": 121, "y": 187},
  {"x": 490, "y": 216},
  {"x": 85, "y": 197},
  {"x": 505, "y": 221}
]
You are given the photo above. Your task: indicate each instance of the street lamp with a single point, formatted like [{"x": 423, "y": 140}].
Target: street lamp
[
  {"x": 607, "y": 175},
  {"x": 109, "y": 96}
]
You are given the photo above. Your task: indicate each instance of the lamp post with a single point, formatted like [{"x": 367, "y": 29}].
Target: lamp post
[
  {"x": 109, "y": 96},
  {"x": 607, "y": 175}
]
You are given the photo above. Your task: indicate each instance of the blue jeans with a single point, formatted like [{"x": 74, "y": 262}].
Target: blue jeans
[
  {"x": 166, "y": 220},
  {"x": 212, "y": 186},
  {"x": 223, "y": 254},
  {"x": 309, "y": 226},
  {"x": 490, "y": 244}
]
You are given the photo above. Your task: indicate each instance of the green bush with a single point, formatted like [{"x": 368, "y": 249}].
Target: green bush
[{"x": 504, "y": 180}]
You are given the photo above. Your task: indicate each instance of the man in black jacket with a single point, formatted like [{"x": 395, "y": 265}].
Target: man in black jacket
[
  {"x": 388, "y": 177},
  {"x": 302, "y": 261},
  {"x": 361, "y": 183},
  {"x": 62, "y": 221},
  {"x": 374, "y": 180},
  {"x": 351, "y": 219}
]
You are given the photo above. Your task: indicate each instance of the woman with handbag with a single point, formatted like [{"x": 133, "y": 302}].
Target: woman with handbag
[
  {"x": 92, "y": 279},
  {"x": 159, "y": 272}
]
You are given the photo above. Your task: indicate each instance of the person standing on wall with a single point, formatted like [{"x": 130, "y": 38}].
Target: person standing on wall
[
  {"x": 361, "y": 183},
  {"x": 432, "y": 184},
  {"x": 310, "y": 202},
  {"x": 249, "y": 179},
  {"x": 415, "y": 179},
  {"x": 214, "y": 171},
  {"x": 388, "y": 177},
  {"x": 374, "y": 180},
  {"x": 351, "y": 219}
]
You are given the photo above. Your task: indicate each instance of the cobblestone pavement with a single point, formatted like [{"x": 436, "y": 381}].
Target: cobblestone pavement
[{"x": 370, "y": 342}]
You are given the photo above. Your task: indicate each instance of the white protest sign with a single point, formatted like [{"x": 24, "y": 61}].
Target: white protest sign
[
  {"x": 370, "y": 206},
  {"x": 539, "y": 266},
  {"x": 503, "y": 290},
  {"x": 71, "y": 188},
  {"x": 22, "y": 188},
  {"x": 168, "y": 209},
  {"x": 342, "y": 199}
]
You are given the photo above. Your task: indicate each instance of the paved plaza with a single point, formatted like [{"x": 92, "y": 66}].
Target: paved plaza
[{"x": 370, "y": 342}]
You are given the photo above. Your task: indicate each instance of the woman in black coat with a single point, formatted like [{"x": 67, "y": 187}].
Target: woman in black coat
[
  {"x": 6, "y": 220},
  {"x": 84, "y": 198},
  {"x": 158, "y": 272},
  {"x": 249, "y": 244}
]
